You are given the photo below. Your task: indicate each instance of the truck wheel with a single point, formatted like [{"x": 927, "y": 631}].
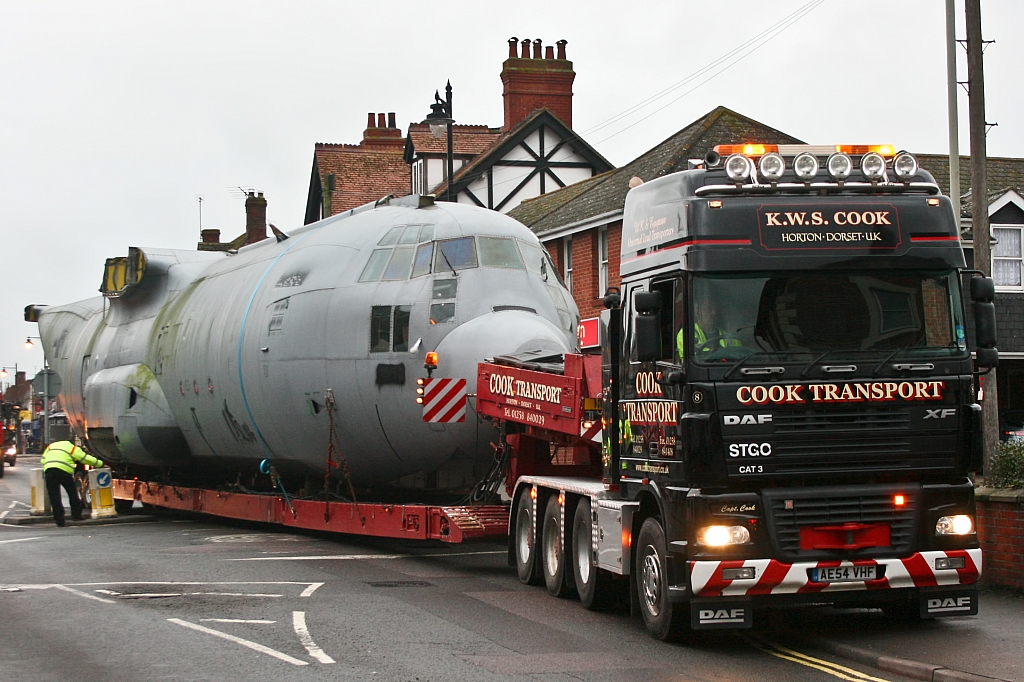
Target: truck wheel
[
  {"x": 591, "y": 583},
  {"x": 1, "y": 469},
  {"x": 553, "y": 551},
  {"x": 525, "y": 539},
  {"x": 652, "y": 582}
]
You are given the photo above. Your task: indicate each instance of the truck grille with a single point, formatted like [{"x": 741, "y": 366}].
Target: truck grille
[
  {"x": 834, "y": 505},
  {"x": 876, "y": 419}
]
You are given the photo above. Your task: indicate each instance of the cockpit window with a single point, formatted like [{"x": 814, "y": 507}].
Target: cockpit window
[
  {"x": 499, "y": 252},
  {"x": 375, "y": 266},
  {"x": 533, "y": 256},
  {"x": 398, "y": 267},
  {"x": 392, "y": 236},
  {"x": 456, "y": 254},
  {"x": 424, "y": 255},
  {"x": 411, "y": 235},
  {"x": 444, "y": 288}
]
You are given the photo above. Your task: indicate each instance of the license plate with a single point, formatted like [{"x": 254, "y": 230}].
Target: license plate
[{"x": 843, "y": 574}]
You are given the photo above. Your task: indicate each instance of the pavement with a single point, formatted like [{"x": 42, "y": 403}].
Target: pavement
[{"x": 189, "y": 597}]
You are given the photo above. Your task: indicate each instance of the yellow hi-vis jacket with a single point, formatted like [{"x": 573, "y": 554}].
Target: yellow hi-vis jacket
[{"x": 64, "y": 454}]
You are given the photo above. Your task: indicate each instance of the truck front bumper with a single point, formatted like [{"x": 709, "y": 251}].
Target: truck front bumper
[{"x": 773, "y": 577}]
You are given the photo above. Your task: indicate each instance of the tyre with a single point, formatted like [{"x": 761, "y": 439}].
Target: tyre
[
  {"x": 592, "y": 585},
  {"x": 525, "y": 539},
  {"x": 652, "y": 582},
  {"x": 552, "y": 556},
  {"x": 2, "y": 467}
]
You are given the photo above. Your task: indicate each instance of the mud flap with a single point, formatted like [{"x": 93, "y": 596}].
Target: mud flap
[
  {"x": 721, "y": 613},
  {"x": 944, "y": 602}
]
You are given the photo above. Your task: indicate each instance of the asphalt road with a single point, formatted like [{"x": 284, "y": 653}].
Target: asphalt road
[{"x": 201, "y": 599}]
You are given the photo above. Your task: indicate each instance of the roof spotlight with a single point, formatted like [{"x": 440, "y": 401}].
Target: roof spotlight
[
  {"x": 839, "y": 166},
  {"x": 872, "y": 165},
  {"x": 772, "y": 166},
  {"x": 738, "y": 167},
  {"x": 805, "y": 165},
  {"x": 905, "y": 166}
]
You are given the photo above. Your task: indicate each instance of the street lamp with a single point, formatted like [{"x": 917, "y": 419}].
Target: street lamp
[
  {"x": 440, "y": 121},
  {"x": 28, "y": 342},
  {"x": 3, "y": 371}
]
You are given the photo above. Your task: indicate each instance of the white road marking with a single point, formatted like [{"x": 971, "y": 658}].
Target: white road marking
[
  {"x": 110, "y": 592},
  {"x": 23, "y": 504},
  {"x": 234, "y": 594},
  {"x": 235, "y": 620},
  {"x": 7, "y": 542},
  {"x": 362, "y": 557},
  {"x": 238, "y": 640},
  {"x": 65, "y": 588},
  {"x": 299, "y": 623},
  {"x": 12, "y": 505},
  {"x": 151, "y": 595},
  {"x": 3, "y": 514},
  {"x": 308, "y": 592}
]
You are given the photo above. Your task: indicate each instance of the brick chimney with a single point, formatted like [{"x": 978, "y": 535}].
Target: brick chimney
[
  {"x": 19, "y": 378},
  {"x": 255, "y": 218},
  {"x": 210, "y": 236},
  {"x": 534, "y": 82},
  {"x": 381, "y": 134}
]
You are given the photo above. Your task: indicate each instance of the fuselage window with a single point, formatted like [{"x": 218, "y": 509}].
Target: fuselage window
[
  {"x": 455, "y": 254},
  {"x": 389, "y": 328},
  {"x": 398, "y": 267},
  {"x": 375, "y": 266},
  {"x": 424, "y": 256},
  {"x": 444, "y": 288},
  {"x": 499, "y": 252},
  {"x": 442, "y": 296},
  {"x": 380, "y": 329}
]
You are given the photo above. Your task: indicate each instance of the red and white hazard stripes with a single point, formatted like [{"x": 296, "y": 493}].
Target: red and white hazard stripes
[
  {"x": 775, "y": 577},
  {"x": 444, "y": 400}
]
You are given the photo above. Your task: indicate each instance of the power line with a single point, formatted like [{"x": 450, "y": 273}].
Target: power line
[{"x": 736, "y": 55}]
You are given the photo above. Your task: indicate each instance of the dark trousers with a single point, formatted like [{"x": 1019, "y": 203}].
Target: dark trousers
[{"x": 55, "y": 480}]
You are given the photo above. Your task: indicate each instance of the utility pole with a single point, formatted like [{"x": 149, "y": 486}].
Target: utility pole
[
  {"x": 979, "y": 198},
  {"x": 953, "y": 114}
]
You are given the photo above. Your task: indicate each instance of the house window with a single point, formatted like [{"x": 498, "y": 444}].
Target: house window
[
  {"x": 1007, "y": 256},
  {"x": 602, "y": 261},
  {"x": 567, "y": 263},
  {"x": 389, "y": 328}
]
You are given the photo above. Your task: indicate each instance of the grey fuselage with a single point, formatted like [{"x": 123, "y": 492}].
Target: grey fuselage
[{"x": 215, "y": 361}]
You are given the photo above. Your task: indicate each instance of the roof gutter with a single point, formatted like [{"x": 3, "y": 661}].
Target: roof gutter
[{"x": 581, "y": 225}]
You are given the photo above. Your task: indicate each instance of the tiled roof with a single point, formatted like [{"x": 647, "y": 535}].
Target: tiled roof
[
  {"x": 485, "y": 158},
  {"x": 361, "y": 174},
  {"x": 468, "y": 139},
  {"x": 606, "y": 193},
  {"x": 1004, "y": 174}
]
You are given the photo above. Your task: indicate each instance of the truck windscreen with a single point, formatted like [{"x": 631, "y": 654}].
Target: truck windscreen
[{"x": 843, "y": 313}]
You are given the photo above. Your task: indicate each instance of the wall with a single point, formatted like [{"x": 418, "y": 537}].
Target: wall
[{"x": 1000, "y": 520}]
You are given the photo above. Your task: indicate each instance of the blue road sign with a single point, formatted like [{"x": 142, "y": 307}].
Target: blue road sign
[{"x": 103, "y": 479}]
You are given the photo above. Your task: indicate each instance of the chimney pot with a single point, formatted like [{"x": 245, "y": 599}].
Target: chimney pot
[
  {"x": 561, "y": 48},
  {"x": 549, "y": 52},
  {"x": 526, "y": 49},
  {"x": 537, "y": 48},
  {"x": 371, "y": 120},
  {"x": 255, "y": 218},
  {"x": 529, "y": 87},
  {"x": 391, "y": 120},
  {"x": 512, "y": 43},
  {"x": 381, "y": 121},
  {"x": 211, "y": 236}
]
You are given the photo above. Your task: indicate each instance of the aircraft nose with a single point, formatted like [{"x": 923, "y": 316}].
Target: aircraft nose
[{"x": 501, "y": 333}]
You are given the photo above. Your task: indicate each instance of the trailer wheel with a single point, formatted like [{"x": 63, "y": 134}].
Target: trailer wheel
[
  {"x": 553, "y": 550},
  {"x": 591, "y": 583},
  {"x": 525, "y": 539},
  {"x": 652, "y": 583}
]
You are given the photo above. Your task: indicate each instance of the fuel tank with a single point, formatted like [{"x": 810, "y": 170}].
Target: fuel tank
[{"x": 213, "y": 361}]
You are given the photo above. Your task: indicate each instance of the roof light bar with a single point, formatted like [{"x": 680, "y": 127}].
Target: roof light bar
[{"x": 758, "y": 149}]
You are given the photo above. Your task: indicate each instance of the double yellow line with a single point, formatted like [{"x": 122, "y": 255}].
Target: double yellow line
[{"x": 834, "y": 669}]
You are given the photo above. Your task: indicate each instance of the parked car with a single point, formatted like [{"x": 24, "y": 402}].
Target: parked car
[{"x": 1011, "y": 425}]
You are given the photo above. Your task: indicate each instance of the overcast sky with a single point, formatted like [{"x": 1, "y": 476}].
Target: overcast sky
[{"x": 116, "y": 116}]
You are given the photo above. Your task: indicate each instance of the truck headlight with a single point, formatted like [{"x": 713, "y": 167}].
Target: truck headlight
[
  {"x": 805, "y": 165},
  {"x": 961, "y": 524},
  {"x": 720, "y": 536},
  {"x": 737, "y": 167},
  {"x": 772, "y": 166},
  {"x": 905, "y": 166},
  {"x": 872, "y": 165}
]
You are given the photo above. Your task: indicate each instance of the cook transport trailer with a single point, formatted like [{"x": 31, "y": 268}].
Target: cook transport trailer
[{"x": 789, "y": 404}]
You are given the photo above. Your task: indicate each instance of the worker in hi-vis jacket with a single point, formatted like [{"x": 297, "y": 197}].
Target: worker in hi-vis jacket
[{"x": 59, "y": 462}]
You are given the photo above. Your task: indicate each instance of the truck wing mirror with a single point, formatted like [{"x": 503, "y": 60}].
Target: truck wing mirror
[
  {"x": 647, "y": 301},
  {"x": 987, "y": 358},
  {"x": 984, "y": 328},
  {"x": 648, "y": 337},
  {"x": 983, "y": 289}
]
